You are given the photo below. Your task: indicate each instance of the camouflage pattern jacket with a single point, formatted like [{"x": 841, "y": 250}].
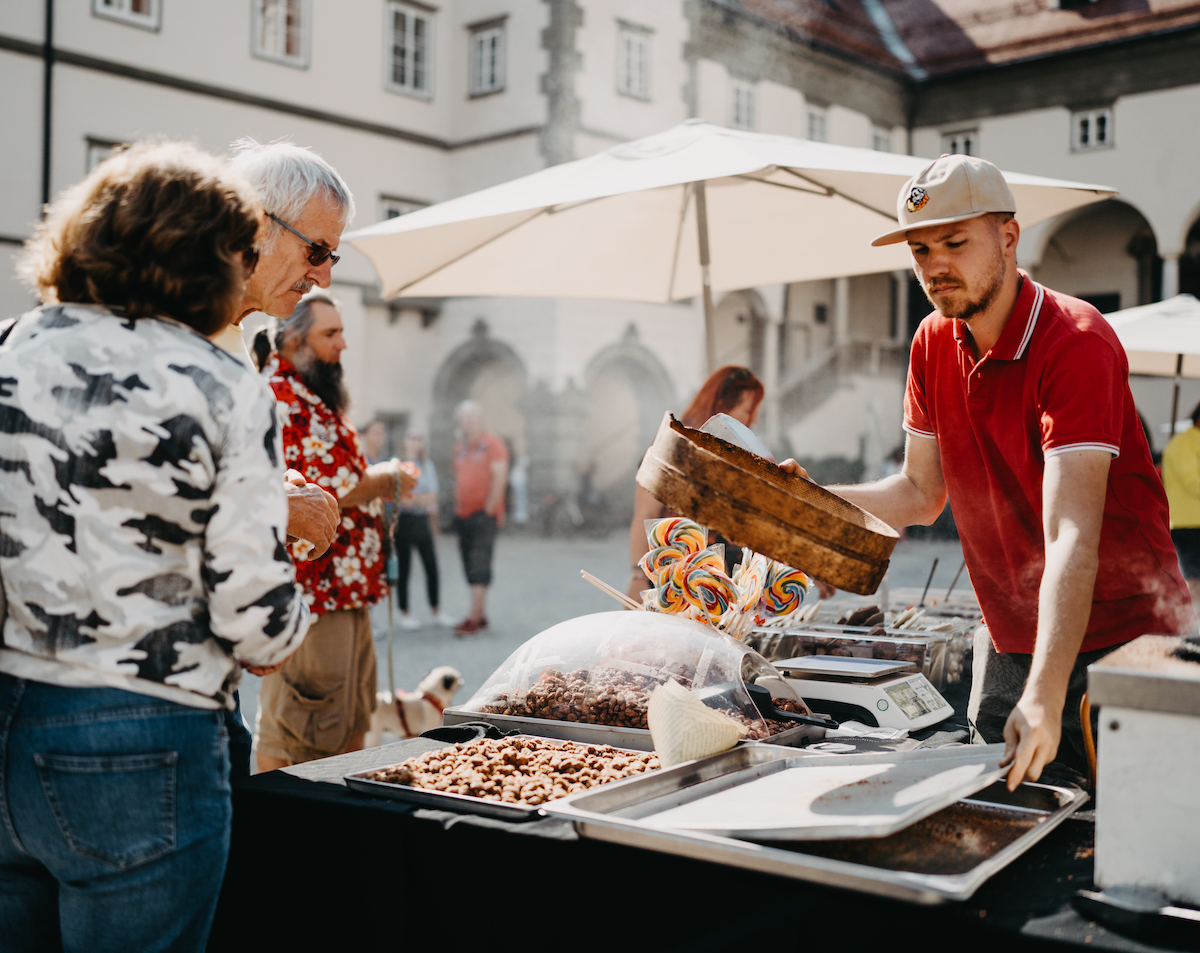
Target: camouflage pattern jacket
[{"x": 142, "y": 511}]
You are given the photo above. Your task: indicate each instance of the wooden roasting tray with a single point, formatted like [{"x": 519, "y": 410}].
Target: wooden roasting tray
[{"x": 751, "y": 502}]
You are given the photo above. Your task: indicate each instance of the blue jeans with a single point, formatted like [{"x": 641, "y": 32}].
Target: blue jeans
[{"x": 114, "y": 819}]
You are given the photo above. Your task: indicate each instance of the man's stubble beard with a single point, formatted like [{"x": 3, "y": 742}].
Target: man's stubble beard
[
  {"x": 982, "y": 301},
  {"x": 322, "y": 378}
]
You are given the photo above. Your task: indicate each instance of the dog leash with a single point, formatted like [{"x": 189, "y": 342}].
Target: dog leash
[{"x": 432, "y": 699}]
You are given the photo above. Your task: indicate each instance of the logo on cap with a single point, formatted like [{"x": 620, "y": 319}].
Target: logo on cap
[{"x": 917, "y": 199}]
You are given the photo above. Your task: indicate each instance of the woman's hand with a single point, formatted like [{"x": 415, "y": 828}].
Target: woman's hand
[{"x": 791, "y": 466}]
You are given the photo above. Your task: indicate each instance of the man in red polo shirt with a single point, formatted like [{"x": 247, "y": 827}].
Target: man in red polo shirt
[
  {"x": 480, "y": 482},
  {"x": 1018, "y": 409}
]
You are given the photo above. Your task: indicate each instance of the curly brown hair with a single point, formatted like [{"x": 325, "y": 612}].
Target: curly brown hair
[{"x": 160, "y": 228}]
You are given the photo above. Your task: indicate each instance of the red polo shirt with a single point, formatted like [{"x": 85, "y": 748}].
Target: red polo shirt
[{"x": 1057, "y": 380}]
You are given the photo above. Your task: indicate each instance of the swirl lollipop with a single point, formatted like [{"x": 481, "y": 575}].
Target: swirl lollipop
[
  {"x": 750, "y": 578},
  {"x": 668, "y": 597},
  {"x": 677, "y": 531},
  {"x": 709, "y": 558},
  {"x": 784, "y": 591},
  {"x": 709, "y": 590},
  {"x": 658, "y": 560}
]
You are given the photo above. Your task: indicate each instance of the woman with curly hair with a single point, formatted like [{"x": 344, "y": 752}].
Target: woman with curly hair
[{"x": 142, "y": 528}]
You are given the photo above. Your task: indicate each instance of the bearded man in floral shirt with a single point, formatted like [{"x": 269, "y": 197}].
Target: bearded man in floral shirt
[{"x": 320, "y": 702}]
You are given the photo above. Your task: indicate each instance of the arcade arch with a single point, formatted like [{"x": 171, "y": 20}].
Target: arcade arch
[
  {"x": 1106, "y": 254},
  {"x": 628, "y": 390},
  {"x": 490, "y": 372}
]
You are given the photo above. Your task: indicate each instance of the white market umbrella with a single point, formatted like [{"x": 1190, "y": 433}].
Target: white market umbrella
[
  {"x": 694, "y": 209},
  {"x": 1162, "y": 338}
]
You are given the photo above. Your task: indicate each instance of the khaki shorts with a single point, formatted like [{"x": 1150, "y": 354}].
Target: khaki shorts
[{"x": 323, "y": 694}]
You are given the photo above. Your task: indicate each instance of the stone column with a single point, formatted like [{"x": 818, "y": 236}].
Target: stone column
[
  {"x": 841, "y": 310},
  {"x": 900, "y": 284},
  {"x": 1170, "y": 276},
  {"x": 770, "y": 379}
]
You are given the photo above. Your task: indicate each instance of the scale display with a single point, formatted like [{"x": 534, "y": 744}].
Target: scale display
[{"x": 887, "y": 692}]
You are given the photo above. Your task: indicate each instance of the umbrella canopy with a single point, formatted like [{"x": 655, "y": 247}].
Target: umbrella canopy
[
  {"x": 1162, "y": 338},
  {"x": 642, "y": 221},
  {"x": 1157, "y": 335},
  {"x": 622, "y": 224}
]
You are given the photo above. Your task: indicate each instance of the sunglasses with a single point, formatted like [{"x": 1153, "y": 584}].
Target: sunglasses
[{"x": 319, "y": 254}]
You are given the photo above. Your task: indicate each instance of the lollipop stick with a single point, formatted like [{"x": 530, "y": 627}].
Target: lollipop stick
[{"x": 609, "y": 590}]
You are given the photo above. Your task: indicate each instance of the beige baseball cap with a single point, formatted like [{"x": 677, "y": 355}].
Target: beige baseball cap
[{"x": 949, "y": 189}]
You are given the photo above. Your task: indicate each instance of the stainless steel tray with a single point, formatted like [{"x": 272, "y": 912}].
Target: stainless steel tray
[
  {"x": 637, "y": 739},
  {"x": 945, "y": 856},
  {"x": 791, "y": 797},
  {"x": 441, "y": 800}
]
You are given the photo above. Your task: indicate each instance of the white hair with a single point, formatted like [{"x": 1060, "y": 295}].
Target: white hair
[
  {"x": 286, "y": 177},
  {"x": 468, "y": 406}
]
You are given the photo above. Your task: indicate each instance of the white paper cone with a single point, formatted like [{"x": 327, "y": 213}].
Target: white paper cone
[{"x": 684, "y": 728}]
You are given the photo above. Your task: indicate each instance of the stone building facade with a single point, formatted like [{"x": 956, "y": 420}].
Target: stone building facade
[{"x": 417, "y": 102}]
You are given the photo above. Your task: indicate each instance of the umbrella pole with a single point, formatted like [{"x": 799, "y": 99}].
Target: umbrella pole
[
  {"x": 710, "y": 332},
  {"x": 1175, "y": 393}
]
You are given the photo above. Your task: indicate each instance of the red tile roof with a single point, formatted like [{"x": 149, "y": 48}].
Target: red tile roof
[{"x": 946, "y": 36}]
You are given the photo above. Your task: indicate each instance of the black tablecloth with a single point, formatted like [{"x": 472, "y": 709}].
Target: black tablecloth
[{"x": 314, "y": 863}]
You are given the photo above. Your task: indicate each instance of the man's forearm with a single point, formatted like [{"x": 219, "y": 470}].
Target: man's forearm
[
  {"x": 495, "y": 495},
  {"x": 1064, "y": 608},
  {"x": 895, "y": 499},
  {"x": 369, "y": 486}
]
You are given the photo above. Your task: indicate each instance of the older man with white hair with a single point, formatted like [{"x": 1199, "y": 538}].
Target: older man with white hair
[{"x": 308, "y": 205}]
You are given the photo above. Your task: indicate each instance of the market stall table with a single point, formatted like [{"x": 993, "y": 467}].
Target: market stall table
[{"x": 312, "y": 859}]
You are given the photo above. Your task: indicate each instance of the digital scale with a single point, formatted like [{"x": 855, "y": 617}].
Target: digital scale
[{"x": 876, "y": 692}]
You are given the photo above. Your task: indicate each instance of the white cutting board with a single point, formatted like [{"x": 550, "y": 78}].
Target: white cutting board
[{"x": 814, "y": 798}]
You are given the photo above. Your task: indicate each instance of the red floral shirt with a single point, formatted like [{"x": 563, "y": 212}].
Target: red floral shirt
[{"x": 324, "y": 446}]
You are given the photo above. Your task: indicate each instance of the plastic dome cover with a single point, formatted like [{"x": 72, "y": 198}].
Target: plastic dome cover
[{"x": 601, "y": 669}]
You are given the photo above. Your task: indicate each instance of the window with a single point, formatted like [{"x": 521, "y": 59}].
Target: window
[
  {"x": 392, "y": 207},
  {"x": 633, "y": 60},
  {"x": 963, "y": 142},
  {"x": 98, "y": 150},
  {"x": 818, "y": 123},
  {"x": 1092, "y": 129},
  {"x": 881, "y": 139},
  {"x": 820, "y": 314},
  {"x": 487, "y": 58},
  {"x": 143, "y": 13},
  {"x": 741, "y": 102},
  {"x": 409, "y": 36},
  {"x": 281, "y": 31}
]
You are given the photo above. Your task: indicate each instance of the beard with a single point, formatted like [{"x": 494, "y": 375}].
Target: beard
[
  {"x": 959, "y": 303},
  {"x": 323, "y": 379}
]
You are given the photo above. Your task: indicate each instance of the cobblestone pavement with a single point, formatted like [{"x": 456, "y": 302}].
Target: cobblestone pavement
[{"x": 536, "y": 585}]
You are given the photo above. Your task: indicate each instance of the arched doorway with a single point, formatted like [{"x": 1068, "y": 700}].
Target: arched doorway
[
  {"x": 1189, "y": 262},
  {"x": 628, "y": 390},
  {"x": 740, "y": 326},
  {"x": 1105, "y": 254},
  {"x": 490, "y": 372}
]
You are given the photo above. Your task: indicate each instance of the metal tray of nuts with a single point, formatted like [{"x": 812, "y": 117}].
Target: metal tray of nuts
[
  {"x": 635, "y": 739},
  {"x": 946, "y": 855},
  {"x": 447, "y": 801}
]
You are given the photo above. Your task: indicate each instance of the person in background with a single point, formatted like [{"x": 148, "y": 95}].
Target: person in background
[
  {"x": 480, "y": 482},
  {"x": 143, "y": 516},
  {"x": 1181, "y": 478},
  {"x": 320, "y": 702},
  {"x": 415, "y": 526},
  {"x": 374, "y": 436},
  {"x": 729, "y": 390}
]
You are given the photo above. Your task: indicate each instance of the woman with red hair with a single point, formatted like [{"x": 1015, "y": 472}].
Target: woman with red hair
[{"x": 730, "y": 390}]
